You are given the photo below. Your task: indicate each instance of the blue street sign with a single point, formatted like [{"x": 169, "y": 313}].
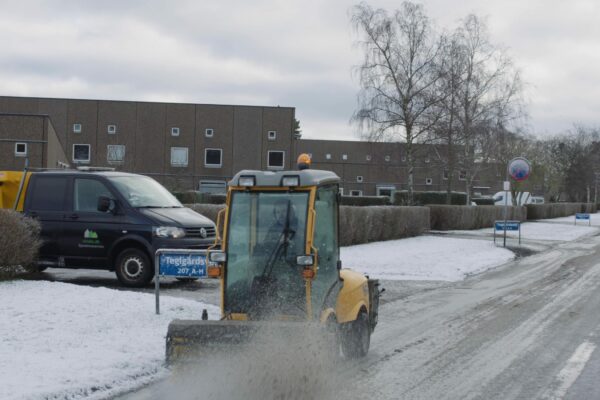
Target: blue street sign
[
  {"x": 510, "y": 225},
  {"x": 582, "y": 216},
  {"x": 182, "y": 264}
]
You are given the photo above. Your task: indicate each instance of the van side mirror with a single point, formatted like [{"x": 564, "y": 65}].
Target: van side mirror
[{"x": 104, "y": 203}]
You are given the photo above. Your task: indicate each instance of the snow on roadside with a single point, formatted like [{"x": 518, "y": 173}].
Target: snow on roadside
[
  {"x": 594, "y": 220},
  {"x": 424, "y": 258},
  {"x": 539, "y": 231},
  {"x": 64, "y": 341}
]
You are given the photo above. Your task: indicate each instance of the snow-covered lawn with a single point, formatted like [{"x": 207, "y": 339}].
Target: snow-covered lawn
[
  {"x": 543, "y": 230},
  {"x": 594, "y": 220},
  {"x": 64, "y": 341},
  {"x": 424, "y": 258}
]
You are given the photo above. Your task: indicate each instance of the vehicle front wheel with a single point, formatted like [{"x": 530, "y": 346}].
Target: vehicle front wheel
[
  {"x": 133, "y": 268},
  {"x": 356, "y": 337}
]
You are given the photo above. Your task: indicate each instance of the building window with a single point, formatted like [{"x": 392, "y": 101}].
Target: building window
[
  {"x": 112, "y": 129},
  {"x": 179, "y": 156},
  {"x": 328, "y": 156},
  {"x": 445, "y": 175},
  {"x": 462, "y": 175},
  {"x": 368, "y": 157},
  {"x": 174, "y": 131},
  {"x": 76, "y": 128},
  {"x": 272, "y": 135},
  {"x": 81, "y": 153},
  {"x": 387, "y": 158},
  {"x": 344, "y": 156},
  {"x": 213, "y": 158},
  {"x": 386, "y": 191},
  {"x": 359, "y": 179},
  {"x": 209, "y": 132},
  {"x": 341, "y": 191},
  {"x": 428, "y": 181},
  {"x": 20, "y": 149},
  {"x": 115, "y": 153},
  {"x": 356, "y": 193},
  {"x": 275, "y": 159}
]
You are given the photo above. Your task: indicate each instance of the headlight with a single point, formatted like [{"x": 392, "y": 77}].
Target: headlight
[{"x": 168, "y": 232}]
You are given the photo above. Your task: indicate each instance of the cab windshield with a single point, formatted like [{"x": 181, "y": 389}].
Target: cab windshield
[
  {"x": 266, "y": 233},
  {"x": 144, "y": 192}
]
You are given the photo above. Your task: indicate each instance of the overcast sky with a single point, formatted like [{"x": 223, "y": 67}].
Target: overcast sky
[{"x": 288, "y": 53}]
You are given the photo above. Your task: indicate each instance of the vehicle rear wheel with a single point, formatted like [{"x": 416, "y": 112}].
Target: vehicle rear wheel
[
  {"x": 356, "y": 337},
  {"x": 133, "y": 268}
]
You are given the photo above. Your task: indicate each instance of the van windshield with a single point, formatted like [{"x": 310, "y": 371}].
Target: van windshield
[{"x": 144, "y": 192}]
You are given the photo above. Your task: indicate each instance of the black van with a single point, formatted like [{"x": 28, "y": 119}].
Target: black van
[{"x": 110, "y": 220}]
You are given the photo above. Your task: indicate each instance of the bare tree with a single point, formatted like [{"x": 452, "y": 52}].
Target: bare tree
[
  {"x": 446, "y": 134},
  {"x": 489, "y": 97},
  {"x": 398, "y": 77}
]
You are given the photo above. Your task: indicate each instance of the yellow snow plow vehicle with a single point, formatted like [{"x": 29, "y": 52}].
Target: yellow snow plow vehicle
[{"x": 279, "y": 265}]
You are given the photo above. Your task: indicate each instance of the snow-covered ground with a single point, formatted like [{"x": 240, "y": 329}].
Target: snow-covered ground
[
  {"x": 64, "y": 341},
  {"x": 555, "y": 229},
  {"x": 424, "y": 258}
]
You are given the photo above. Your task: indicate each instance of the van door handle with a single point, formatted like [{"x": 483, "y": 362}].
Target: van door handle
[{"x": 74, "y": 216}]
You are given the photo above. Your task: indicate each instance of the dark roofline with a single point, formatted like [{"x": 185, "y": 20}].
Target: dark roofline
[
  {"x": 145, "y": 102},
  {"x": 3, "y": 114}
]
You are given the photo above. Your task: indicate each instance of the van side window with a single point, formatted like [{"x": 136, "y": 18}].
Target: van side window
[
  {"x": 48, "y": 193},
  {"x": 86, "y": 193}
]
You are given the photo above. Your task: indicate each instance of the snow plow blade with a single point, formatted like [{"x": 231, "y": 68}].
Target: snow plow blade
[{"x": 188, "y": 340}]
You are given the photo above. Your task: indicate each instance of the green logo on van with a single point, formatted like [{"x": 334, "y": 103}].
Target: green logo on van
[{"x": 90, "y": 237}]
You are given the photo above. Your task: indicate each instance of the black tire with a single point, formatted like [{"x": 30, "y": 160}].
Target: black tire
[
  {"x": 133, "y": 268},
  {"x": 356, "y": 337}
]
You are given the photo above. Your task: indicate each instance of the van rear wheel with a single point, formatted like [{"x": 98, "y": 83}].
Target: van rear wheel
[{"x": 133, "y": 268}]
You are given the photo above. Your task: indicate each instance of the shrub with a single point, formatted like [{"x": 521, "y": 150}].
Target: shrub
[
  {"x": 363, "y": 224},
  {"x": 194, "y": 197},
  {"x": 425, "y": 198},
  {"x": 365, "y": 200},
  {"x": 446, "y": 218},
  {"x": 556, "y": 210},
  {"x": 376, "y": 223},
  {"x": 483, "y": 201},
  {"x": 19, "y": 243}
]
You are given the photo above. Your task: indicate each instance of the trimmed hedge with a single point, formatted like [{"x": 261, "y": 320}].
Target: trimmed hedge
[
  {"x": 426, "y": 198},
  {"x": 365, "y": 201},
  {"x": 483, "y": 201},
  {"x": 556, "y": 210},
  {"x": 371, "y": 224},
  {"x": 194, "y": 197},
  {"x": 445, "y": 218},
  {"x": 362, "y": 224},
  {"x": 19, "y": 243}
]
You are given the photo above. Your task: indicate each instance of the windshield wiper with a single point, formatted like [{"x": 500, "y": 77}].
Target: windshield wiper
[{"x": 282, "y": 244}]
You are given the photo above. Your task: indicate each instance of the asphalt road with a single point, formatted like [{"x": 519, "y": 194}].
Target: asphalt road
[{"x": 527, "y": 330}]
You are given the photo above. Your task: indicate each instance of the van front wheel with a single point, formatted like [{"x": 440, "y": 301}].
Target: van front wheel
[{"x": 133, "y": 268}]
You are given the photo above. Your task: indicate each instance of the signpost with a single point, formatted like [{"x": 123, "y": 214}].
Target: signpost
[
  {"x": 179, "y": 263},
  {"x": 507, "y": 226},
  {"x": 518, "y": 169},
  {"x": 583, "y": 216}
]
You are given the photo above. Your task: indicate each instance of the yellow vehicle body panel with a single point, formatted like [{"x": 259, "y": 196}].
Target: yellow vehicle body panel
[
  {"x": 10, "y": 181},
  {"x": 353, "y": 296}
]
